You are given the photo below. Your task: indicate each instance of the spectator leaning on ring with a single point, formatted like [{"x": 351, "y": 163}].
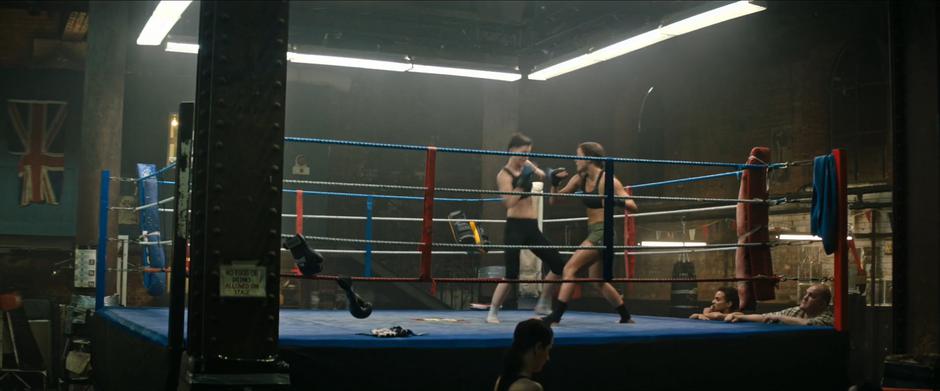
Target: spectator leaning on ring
[
  {"x": 725, "y": 302},
  {"x": 813, "y": 311}
]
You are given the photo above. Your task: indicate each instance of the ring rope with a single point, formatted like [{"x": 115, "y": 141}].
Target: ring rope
[
  {"x": 351, "y": 184},
  {"x": 687, "y": 250},
  {"x": 523, "y": 247},
  {"x": 739, "y": 166},
  {"x": 797, "y": 163},
  {"x": 143, "y": 242},
  {"x": 481, "y": 191},
  {"x": 681, "y": 211},
  {"x": 444, "y": 189},
  {"x": 155, "y": 173},
  {"x": 686, "y": 180},
  {"x": 779, "y": 201},
  {"x": 377, "y": 218},
  {"x": 690, "y": 250},
  {"x": 145, "y": 206},
  {"x": 392, "y": 197},
  {"x": 393, "y": 252},
  {"x": 647, "y": 214},
  {"x": 359, "y": 241},
  {"x": 531, "y": 281},
  {"x": 530, "y": 154},
  {"x": 778, "y": 278},
  {"x": 543, "y": 194}
]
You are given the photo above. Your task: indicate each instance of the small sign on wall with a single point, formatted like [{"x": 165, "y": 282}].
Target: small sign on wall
[
  {"x": 85, "y": 268},
  {"x": 242, "y": 279},
  {"x": 127, "y": 217},
  {"x": 300, "y": 165}
]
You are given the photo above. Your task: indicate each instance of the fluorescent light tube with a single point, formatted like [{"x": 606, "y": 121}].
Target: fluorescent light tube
[
  {"x": 618, "y": 49},
  {"x": 708, "y": 18},
  {"x": 672, "y": 244},
  {"x": 161, "y": 22},
  {"x": 504, "y": 76},
  {"x": 798, "y": 237},
  {"x": 179, "y": 47},
  {"x": 347, "y": 62},
  {"x": 562, "y": 68},
  {"x": 699, "y": 21},
  {"x": 803, "y": 237},
  {"x": 351, "y": 62}
]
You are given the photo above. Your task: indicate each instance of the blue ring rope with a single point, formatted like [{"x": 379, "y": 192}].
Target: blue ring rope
[
  {"x": 687, "y": 180},
  {"x": 638, "y": 186},
  {"x": 392, "y": 197},
  {"x": 158, "y": 172},
  {"x": 531, "y": 154}
]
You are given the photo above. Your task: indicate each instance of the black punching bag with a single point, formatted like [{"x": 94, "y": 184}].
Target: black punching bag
[{"x": 684, "y": 298}]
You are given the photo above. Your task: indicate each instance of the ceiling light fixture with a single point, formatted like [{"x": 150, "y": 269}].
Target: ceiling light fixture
[
  {"x": 699, "y": 21},
  {"x": 162, "y": 20},
  {"x": 463, "y": 72},
  {"x": 179, "y": 47},
  {"x": 803, "y": 237},
  {"x": 352, "y": 62}
]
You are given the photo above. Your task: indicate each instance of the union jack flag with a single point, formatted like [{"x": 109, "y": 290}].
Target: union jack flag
[{"x": 37, "y": 123}]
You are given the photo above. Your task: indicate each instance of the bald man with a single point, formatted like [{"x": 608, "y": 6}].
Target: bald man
[{"x": 813, "y": 311}]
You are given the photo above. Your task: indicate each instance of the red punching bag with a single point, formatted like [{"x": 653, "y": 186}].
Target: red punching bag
[{"x": 752, "y": 221}]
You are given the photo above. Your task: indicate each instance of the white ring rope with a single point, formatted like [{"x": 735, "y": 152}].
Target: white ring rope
[
  {"x": 559, "y": 220},
  {"x": 145, "y": 206},
  {"x": 447, "y": 189},
  {"x": 143, "y": 242},
  {"x": 645, "y": 214},
  {"x": 517, "y": 247},
  {"x": 392, "y": 252},
  {"x": 377, "y": 218},
  {"x": 536, "y": 194},
  {"x": 412, "y": 252}
]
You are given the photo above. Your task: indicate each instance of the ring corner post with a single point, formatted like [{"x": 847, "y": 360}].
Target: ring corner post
[
  {"x": 367, "y": 263},
  {"x": 608, "y": 219},
  {"x": 299, "y": 212},
  {"x": 428, "y": 215},
  {"x": 630, "y": 240},
  {"x": 101, "y": 253},
  {"x": 840, "y": 269}
]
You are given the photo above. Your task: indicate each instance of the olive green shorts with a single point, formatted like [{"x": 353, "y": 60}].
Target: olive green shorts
[{"x": 596, "y": 234}]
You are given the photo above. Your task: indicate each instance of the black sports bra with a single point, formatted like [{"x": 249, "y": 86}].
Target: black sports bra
[
  {"x": 504, "y": 384},
  {"x": 591, "y": 202},
  {"x": 514, "y": 177}
]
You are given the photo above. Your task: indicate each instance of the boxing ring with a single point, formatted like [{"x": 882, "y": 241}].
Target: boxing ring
[
  {"x": 326, "y": 350},
  {"x": 456, "y": 349}
]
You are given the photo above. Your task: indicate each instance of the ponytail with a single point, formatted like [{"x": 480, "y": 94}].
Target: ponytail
[
  {"x": 528, "y": 333},
  {"x": 512, "y": 365}
]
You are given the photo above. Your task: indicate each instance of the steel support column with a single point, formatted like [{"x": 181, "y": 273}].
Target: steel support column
[
  {"x": 236, "y": 198},
  {"x": 181, "y": 220}
]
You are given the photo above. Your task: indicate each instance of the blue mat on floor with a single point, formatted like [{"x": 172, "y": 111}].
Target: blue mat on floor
[{"x": 457, "y": 329}]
